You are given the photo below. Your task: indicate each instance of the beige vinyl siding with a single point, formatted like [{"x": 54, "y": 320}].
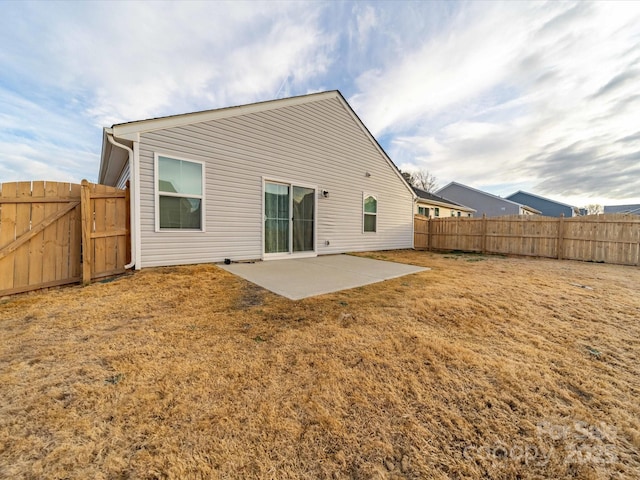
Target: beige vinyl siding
[{"x": 318, "y": 143}]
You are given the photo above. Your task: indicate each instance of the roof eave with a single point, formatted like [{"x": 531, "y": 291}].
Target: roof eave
[
  {"x": 106, "y": 151},
  {"x": 112, "y": 162}
]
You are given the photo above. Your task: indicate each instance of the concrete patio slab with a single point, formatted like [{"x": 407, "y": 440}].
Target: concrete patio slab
[{"x": 299, "y": 278}]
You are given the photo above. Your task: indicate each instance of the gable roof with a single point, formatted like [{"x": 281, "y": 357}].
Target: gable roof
[
  {"x": 129, "y": 132},
  {"x": 431, "y": 197},
  {"x": 540, "y": 197},
  {"x": 491, "y": 195}
]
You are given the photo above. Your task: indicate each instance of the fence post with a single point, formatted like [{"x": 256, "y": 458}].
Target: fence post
[
  {"x": 86, "y": 214},
  {"x": 429, "y": 234},
  {"x": 560, "y": 246},
  {"x": 484, "y": 233}
]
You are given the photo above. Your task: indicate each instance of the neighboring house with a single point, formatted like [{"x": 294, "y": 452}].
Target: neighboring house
[
  {"x": 547, "y": 207},
  {"x": 299, "y": 176},
  {"x": 484, "y": 203},
  {"x": 431, "y": 205},
  {"x": 635, "y": 209}
]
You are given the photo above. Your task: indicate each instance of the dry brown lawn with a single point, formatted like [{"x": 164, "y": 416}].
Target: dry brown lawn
[{"x": 483, "y": 367}]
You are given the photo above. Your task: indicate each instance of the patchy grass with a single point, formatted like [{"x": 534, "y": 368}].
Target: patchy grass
[{"x": 483, "y": 367}]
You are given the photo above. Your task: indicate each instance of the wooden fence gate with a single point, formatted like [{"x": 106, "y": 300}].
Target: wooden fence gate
[{"x": 54, "y": 233}]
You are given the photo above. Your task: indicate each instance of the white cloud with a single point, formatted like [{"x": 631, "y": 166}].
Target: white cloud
[
  {"x": 366, "y": 21},
  {"x": 529, "y": 94},
  {"x": 541, "y": 96},
  {"x": 42, "y": 141},
  {"x": 46, "y": 161},
  {"x": 444, "y": 72},
  {"x": 129, "y": 61},
  {"x": 161, "y": 56}
]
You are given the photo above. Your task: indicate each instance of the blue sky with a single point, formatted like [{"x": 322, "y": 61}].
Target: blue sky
[{"x": 537, "y": 96}]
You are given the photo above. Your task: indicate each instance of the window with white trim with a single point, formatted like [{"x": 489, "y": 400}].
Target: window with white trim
[
  {"x": 370, "y": 213},
  {"x": 179, "y": 194}
]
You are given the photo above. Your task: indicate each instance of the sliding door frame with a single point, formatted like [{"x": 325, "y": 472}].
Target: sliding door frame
[{"x": 290, "y": 253}]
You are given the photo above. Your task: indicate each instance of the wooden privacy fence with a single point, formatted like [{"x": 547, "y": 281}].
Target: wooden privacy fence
[
  {"x": 594, "y": 238},
  {"x": 54, "y": 233}
]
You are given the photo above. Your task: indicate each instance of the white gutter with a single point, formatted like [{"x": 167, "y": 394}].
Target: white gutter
[{"x": 132, "y": 210}]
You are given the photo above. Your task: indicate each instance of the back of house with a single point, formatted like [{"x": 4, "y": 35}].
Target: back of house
[{"x": 294, "y": 177}]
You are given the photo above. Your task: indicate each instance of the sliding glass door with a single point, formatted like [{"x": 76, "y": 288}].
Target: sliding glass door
[
  {"x": 289, "y": 218},
  {"x": 303, "y": 212},
  {"x": 276, "y": 218}
]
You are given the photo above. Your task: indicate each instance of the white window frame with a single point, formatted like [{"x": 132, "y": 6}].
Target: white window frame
[
  {"x": 157, "y": 194},
  {"x": 364, "y": 197}
]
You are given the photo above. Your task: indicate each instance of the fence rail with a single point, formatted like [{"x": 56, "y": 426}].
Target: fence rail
[
  {"x": 54, "y": 233},
  {"x": 597, "y": 238}
]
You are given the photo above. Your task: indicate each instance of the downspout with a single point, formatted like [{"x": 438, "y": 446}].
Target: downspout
[{"x": 132, "y": 211}]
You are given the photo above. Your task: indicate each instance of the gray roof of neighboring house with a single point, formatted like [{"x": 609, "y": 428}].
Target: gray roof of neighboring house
[
  {"x": 540, "y": 197},
  {"x": 423, "y": 194},
  {"x": 547, "y": 206},
  {"x": 490, "y": 195},
  {"x": 632, "y": 208}
]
